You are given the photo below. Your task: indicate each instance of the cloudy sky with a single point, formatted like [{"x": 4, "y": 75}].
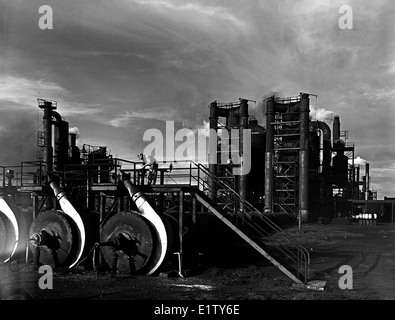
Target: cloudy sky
[{"x": 118, "y": 68}]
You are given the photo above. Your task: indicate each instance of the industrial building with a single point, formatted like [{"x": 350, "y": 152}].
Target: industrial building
[{"x": 76, "y": 206}]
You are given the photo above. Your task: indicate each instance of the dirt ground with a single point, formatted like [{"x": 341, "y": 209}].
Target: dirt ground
[{"x": 369, "y": 250}]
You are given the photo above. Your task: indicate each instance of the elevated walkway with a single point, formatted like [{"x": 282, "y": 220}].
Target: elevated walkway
[{"x": 216, "y": 194}]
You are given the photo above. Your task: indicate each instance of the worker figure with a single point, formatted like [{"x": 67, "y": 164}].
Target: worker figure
[{"x": 152, "y": 164}]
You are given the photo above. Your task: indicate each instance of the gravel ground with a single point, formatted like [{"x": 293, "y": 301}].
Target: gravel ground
[{"x": 368, "y": 250}]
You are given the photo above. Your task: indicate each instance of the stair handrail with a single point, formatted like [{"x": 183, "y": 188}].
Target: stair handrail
[{"x": 286, "y": 236}]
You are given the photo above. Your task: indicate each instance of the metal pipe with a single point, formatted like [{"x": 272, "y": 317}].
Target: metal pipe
[
  {"x": 270, "y": 105},
  {"x": 181, "y": 221},
  {"x": 61, "y": 143},
  {"x": 304, "y": 159},
  {"x": 326, "y": 145},
  {"x": 212, "y": 157},
  {"x": 357, "y": 179},
  {"x": 181, "y": 231},
  {"x": 57, "y": 116},
  {"x": 72, "y": 140},
  {"x": 69, "y": 209},
  {"x": 367, "y": 180},
  {"x": 47, "y": 126},
  {"x": 243, "y": 165},
  {"x": 8, "y": 210},
  {"x": 336, "y": 129},
  {"x": 114, "y": 263},
  {"x": 149, "y": 213},
  {"x": 47, "y": 108}
]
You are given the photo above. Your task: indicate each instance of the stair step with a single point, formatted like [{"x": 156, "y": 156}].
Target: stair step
[{"x": 250, "y": 235}]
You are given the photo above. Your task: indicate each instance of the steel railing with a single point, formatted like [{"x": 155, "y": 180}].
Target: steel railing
[
  {"x": 245, "y": 216},
  {"x": 220, "y": 190}
]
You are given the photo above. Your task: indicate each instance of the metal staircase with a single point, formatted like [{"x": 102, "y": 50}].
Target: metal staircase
[{"x": 258, "y": 230}]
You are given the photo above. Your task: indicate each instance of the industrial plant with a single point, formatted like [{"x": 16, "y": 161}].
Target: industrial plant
[{"x": 77, "y": 207}]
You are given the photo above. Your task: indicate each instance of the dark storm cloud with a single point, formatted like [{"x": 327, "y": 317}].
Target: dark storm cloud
[{"x": 119, "y": 68}]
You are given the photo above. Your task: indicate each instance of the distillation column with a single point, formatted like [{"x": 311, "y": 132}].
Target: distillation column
[
  {"x": 244, "y": 157},
  {"x": 304, "y": 159},
  {"x": 269, "y": 156},
  {"x": 212, "y": 156}
]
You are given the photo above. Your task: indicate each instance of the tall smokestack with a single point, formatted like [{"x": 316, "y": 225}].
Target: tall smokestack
[
  {"x": 213, "y": 148},
  {"x": 47, "y": 107},
  {"x": 72, "y": 140},
  {"x": 367, "y": 181},
  {"x": 304, "y": 158},
  {"x": 243, "y": 125},
  {"x": 336, "y": 129}
]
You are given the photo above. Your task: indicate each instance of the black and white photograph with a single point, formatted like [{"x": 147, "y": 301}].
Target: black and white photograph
[{"x": 196, "y": 158}]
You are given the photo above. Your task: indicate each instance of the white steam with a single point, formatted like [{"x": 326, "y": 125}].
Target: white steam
[
  {"x": 323, "y": 115},
  {"x": 75, "y": 131},
  {"x": 359, "y": 161}
]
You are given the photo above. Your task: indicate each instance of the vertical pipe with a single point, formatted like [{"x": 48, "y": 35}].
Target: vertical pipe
[
  {"x": 47, "y": 126},
  {"x": 304, "y": 159},
  {"x": 102, "y": 206},
  {"x": 35, "y": 206},
  {"x": 270, "y": 104},
  {"x": 194, "y": 228},
  {"x": 181, "y": 225},
  {"x": 120, "y": 204},
  {"x": 162, "y": 177},
  {"x": 114, "y": 263},
  {"x": 88, "y": 184},
  {"x": 367, "y": 180},
  {"x": 358, "y": 181},
  {"x": 243, "y": 126},
  {"x": 72, "y": 140},
  {"x": 336, "y": 129},
  {"x": 48, "y": 150},
  {"x": 212, "y": 160}
]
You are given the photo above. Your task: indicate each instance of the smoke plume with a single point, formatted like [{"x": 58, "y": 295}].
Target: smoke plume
[
  {"x": 359, "y": 161},
  {"x": 323, "y": 115},
  {"x": 76, "y": 131}
]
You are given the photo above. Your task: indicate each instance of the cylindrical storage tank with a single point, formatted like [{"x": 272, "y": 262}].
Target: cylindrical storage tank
[
  {"x": 72, "y": 140},
  {"x": 340, "y": 169},
  {"x": 213, "y": 148},
  {"x": 314, "y": 170},
  {"x": 62, "y": 144},
  {"x": 336, "y": 129},
  {"x": 256, "y": 177},
  {"x": 74, "y": 152},
  {"x": 314, "y": 152}
]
